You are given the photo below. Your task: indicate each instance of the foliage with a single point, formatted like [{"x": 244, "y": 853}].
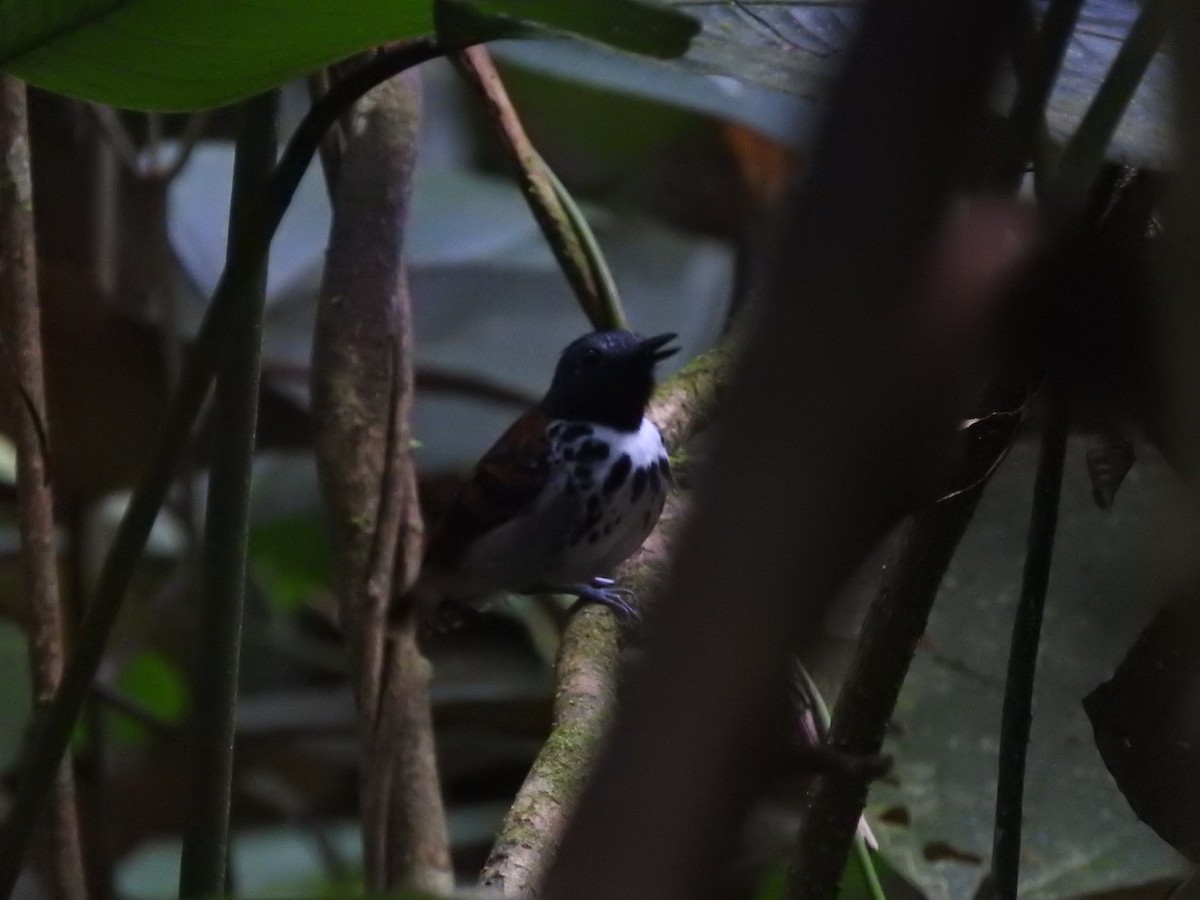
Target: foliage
[
  {"x": 155, "y": 683},
  {"x": 291, "y": 560},
  {"x": 104, "y": 50},
  {"x": 159, "y": 54}
]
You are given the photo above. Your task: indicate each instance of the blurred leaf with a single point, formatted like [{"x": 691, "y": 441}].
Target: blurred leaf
[
  {"x": 585, "y": 116},
  {"x": 156, "y": 684},
  {"x": 1147, "y": 725},
  {"x": 279, "y": 862},
  {"x": 933, "y": 815},
  {"x": 797, "y": 49},
  {"x": 291, "y": 560},
  {"x": 161, "y": 54}
]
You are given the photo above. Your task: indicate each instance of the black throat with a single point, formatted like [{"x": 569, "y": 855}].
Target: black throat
[{"x": 618, "y": 403}]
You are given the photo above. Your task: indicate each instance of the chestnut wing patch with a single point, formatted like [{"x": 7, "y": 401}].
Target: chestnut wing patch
[{"x": 507, "y": 480}]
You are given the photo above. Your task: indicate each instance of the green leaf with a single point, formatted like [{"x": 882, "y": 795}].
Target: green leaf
[
  {"x": 291, "y": 559},
  {"x": 171, "y": 55},
  {"x": 156, "y": 684}
]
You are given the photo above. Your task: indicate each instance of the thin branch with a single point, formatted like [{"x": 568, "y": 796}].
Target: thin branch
[
  {"x": 588, "y": 661},
  {"x": 35, "y": 502},
  {"x": 116, "y": 135},
  {"x": 1017, "y": 715},
  {"x": 564, "y": 226},
  {"x": 1036, "y": 81},
  {"x": 189, "y": 138},
  {"x": 813, "y": 698},
  {"x": 1084, "y": 154},
  {"x": 893, "y": 627},
  {"x": 333, "y": 144},
  {"x": 133, "y": 710},
  {"x": 223, "y": 568},
  {"x": 136, "y": 161},
  {"x": 220, "y": 322}
]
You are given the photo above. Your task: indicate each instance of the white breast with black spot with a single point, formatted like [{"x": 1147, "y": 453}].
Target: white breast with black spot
[{"x": 620, "y": 479}]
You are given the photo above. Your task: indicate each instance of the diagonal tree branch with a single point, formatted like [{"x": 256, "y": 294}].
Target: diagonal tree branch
[
  {"x": 563, "y": 224},
  {"x": 21, "y": 342}
]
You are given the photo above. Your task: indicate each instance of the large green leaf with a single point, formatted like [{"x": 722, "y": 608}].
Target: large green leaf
[
  {"x": 171, "y": 55},
  {"x": 190, "y": 54}
]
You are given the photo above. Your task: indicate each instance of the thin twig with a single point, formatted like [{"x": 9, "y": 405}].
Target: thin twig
[
  {"x": 893, "y": 627},
  {"x": 220, "y": 322},
  {"x": 566, "y": 230},
  {"x": 116, "y": 134},
  {"x": 223, "y": 568},
  {"x": 134, "y": 711},
  {"x": 1036, "y": 81},
  {"x": 189, "y": 138},
  {"x": 862, "y": 852},
  {"x": 35, "y": 502},
  {"x": 136, "y": 161},
  {"x": 333, "y": 143},
  {"x": 1017, "y": 715},
  {"x": 588, "y": 662},
  {"x": 1084, "y": 155}
]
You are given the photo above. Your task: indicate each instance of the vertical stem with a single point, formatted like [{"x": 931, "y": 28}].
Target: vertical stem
[
  {"x": 862, "y": 853},
  {"x": 1037, "y": 80},
  {"x": 563, "y": 224},
  {"x": 35, "y": 502},
  {"x": 1017, "y": 715},
  {"x": 205, "y": 847},
  {"x": 1084, "y": 153},
  {"x": 53, "y": 731}
]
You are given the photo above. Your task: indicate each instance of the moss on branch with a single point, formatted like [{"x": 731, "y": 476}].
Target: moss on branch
[{"x": 589, "y": 660}]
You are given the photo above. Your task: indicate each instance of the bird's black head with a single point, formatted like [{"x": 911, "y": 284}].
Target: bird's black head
[{"x": 607, "y": 377}]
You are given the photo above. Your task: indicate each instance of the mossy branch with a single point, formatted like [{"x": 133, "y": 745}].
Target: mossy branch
[{"x": 589, "y": 657}]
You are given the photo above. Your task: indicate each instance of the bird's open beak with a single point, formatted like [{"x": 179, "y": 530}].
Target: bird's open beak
[{"x": 654, "y": 347}]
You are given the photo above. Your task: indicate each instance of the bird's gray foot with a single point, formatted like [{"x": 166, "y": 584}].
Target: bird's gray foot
[{"x": 601, "y": 591}]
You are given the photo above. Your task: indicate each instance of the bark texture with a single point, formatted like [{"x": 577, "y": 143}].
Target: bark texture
[
  {"x": 589, "y": 663},
  {"x": 26, "y": 398},
  {"x": 362, "y": 399}
]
